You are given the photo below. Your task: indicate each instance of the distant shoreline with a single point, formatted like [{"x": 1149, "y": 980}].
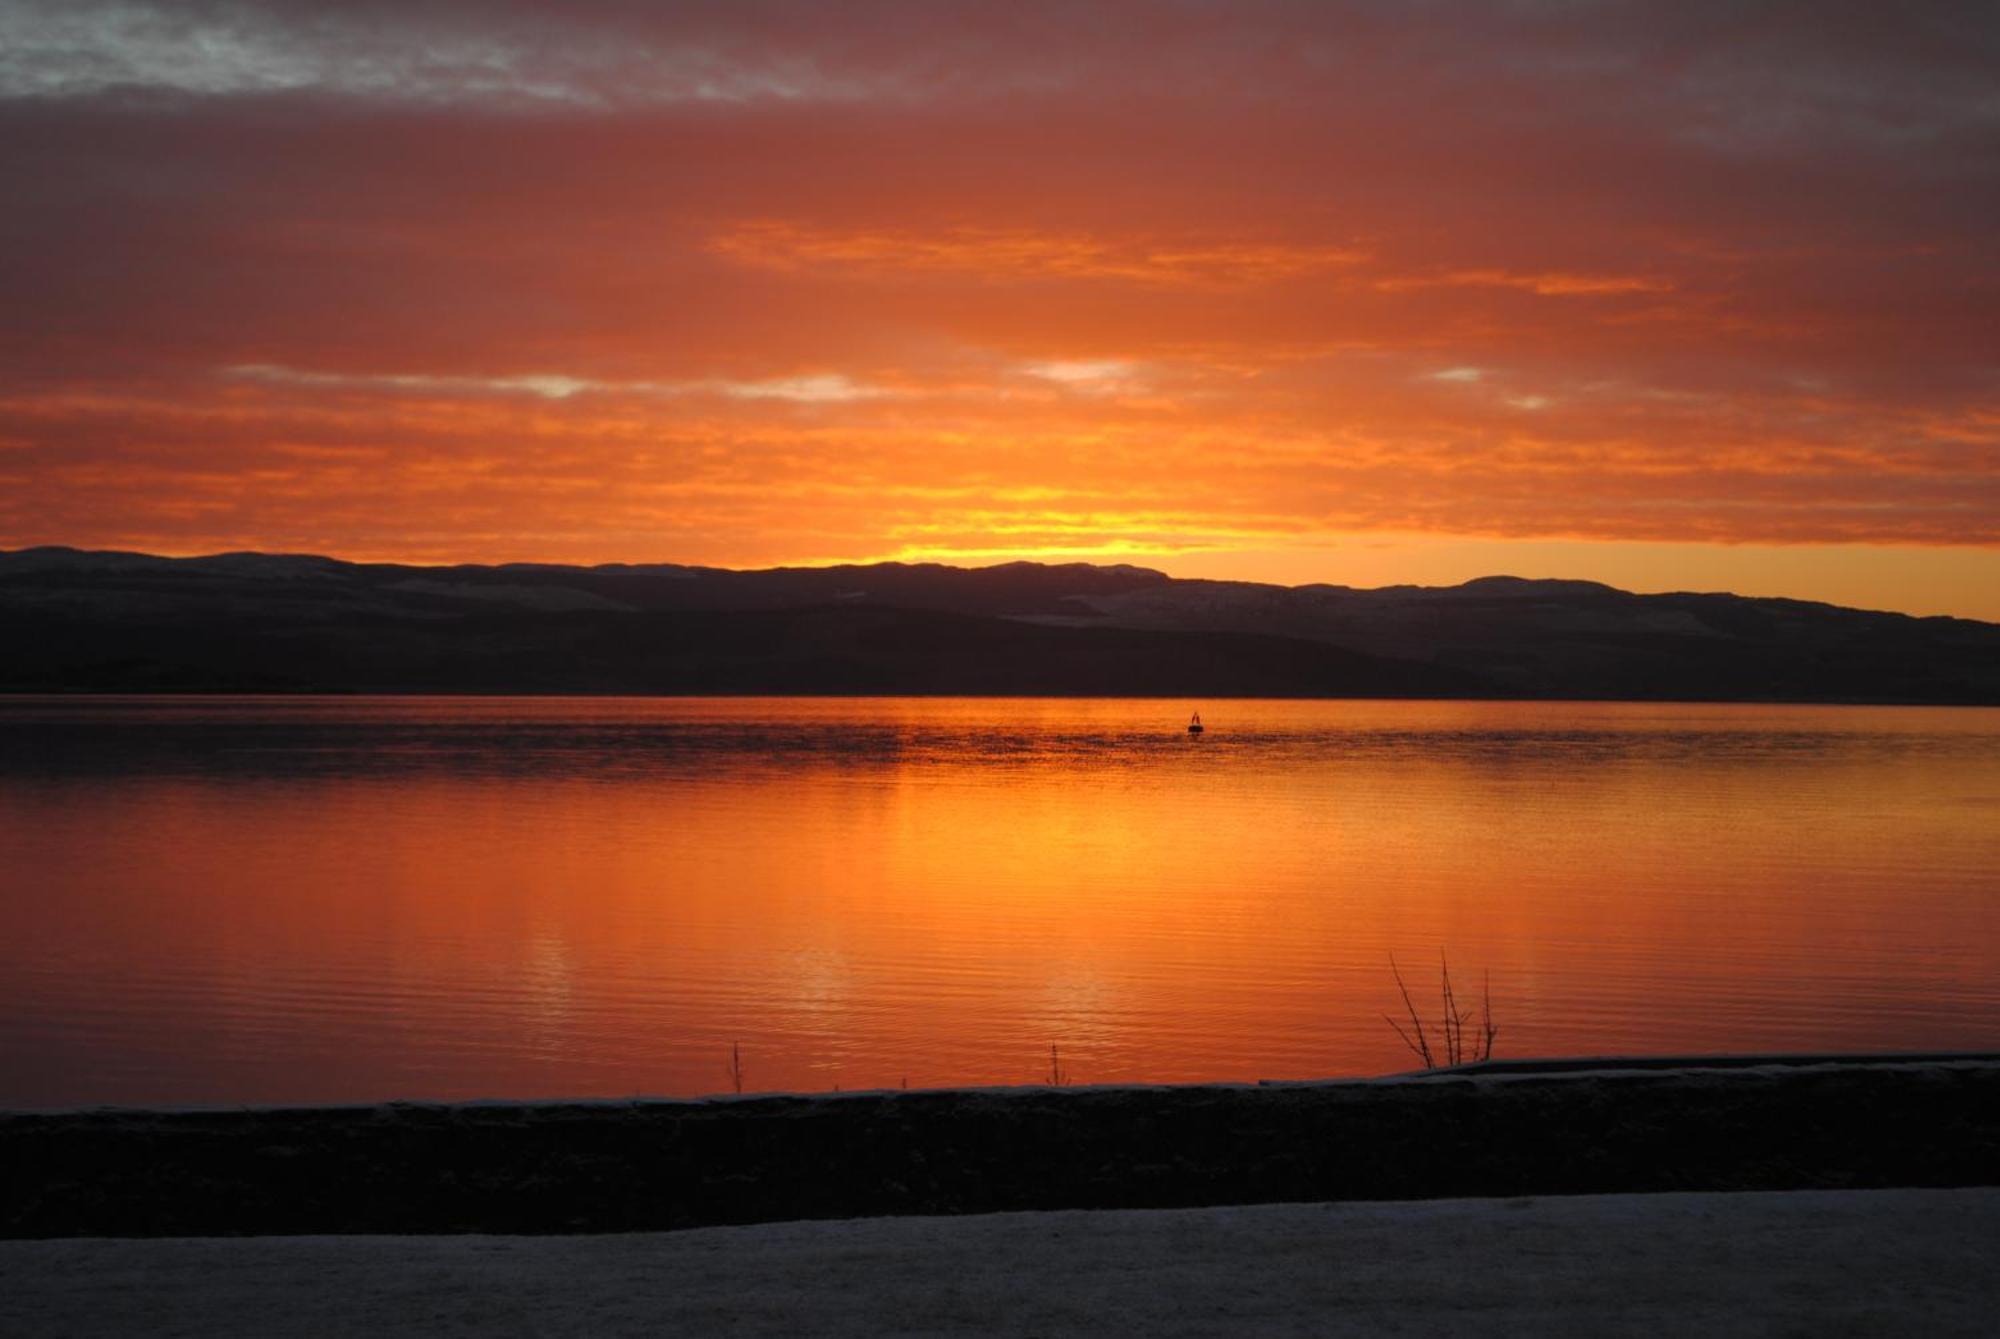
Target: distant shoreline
[
  {"x": 251, "y": 623},
  {"x": 617, "y": 1166}
]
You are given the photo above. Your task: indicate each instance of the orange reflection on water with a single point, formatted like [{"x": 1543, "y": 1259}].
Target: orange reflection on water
[{"x": 298, "y": 900}]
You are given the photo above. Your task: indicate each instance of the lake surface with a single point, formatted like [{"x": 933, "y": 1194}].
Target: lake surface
[{"x": 272, "y": 900}]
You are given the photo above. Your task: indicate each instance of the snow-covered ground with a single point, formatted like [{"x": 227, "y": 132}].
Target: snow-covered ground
[{"x": 1812, "y": 1262}]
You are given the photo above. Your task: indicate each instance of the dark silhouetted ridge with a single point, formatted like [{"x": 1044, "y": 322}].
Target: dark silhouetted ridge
[{"x": 248, "y": 622}]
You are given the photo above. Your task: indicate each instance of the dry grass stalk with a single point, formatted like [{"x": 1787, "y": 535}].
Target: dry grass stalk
[
  {"x": 735, "y": 1067},
  {"x": 1453, "y": 1047},
  {"x": 1058, "y": 1076}
]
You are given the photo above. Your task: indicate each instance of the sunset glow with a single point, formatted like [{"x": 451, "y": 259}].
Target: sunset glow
[{"x": 1668, "y": 297}]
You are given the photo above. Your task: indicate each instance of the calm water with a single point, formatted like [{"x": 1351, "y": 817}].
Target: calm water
[{"x": 220, "y": 900}]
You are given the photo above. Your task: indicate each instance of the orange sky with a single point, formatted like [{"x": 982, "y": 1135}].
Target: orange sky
[{"x": 1692, "y": 295}]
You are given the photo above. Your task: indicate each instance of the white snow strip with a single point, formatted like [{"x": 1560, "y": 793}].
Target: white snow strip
[{"x": 1809, "y": 1262}]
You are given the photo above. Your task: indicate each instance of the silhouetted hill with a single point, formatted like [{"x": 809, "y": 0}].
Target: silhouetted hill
[{"x": 76, "y": 621}]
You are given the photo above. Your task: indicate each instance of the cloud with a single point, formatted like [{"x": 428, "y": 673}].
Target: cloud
[
  {"x": 1085, "y": 374},
  {"x": 820, "y": 388},
  {"x": 431, "y": 53},
  {"x": 1544, "y": 285},
  {"x": 1012, "y": 255}
]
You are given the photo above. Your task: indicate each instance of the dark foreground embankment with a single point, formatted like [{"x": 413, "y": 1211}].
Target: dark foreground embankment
[{"x": 630, "y": 1166}]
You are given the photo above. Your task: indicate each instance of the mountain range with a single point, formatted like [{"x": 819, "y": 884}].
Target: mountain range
[{"x": 72, "y": 621}]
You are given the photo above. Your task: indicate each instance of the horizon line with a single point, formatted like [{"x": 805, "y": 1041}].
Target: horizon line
[{"x": 831, "y": 565}]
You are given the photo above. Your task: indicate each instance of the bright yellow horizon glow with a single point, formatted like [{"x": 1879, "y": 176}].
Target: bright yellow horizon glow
[{"x": 1924, "y": 581}]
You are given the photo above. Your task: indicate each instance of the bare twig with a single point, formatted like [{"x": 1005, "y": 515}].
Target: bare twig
[
  {"x": 1058, "y": 1076},
  {"x": 1453, "y": 1023},
  {"x": 1453, "y": 1045},
  {"x": 1414, "y": 1048},
  {"x": 735, "y": 1067},
  {"x": 1422, "y": 1045},
  {"x": 1486, "y": 1021}
]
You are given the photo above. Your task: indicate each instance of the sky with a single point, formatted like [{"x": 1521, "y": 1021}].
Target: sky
[{"x": 1676, "y": 295}]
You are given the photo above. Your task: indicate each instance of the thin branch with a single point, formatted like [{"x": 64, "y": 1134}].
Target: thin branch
[
  {"x": 1454, "y": 1043},
  {"x": 1453, "y": 1029},
  {"x": 1423, "y": 1045},
  {"x": 1486, "y": 1023},
  {"x": 1406, "y": 1040}
]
